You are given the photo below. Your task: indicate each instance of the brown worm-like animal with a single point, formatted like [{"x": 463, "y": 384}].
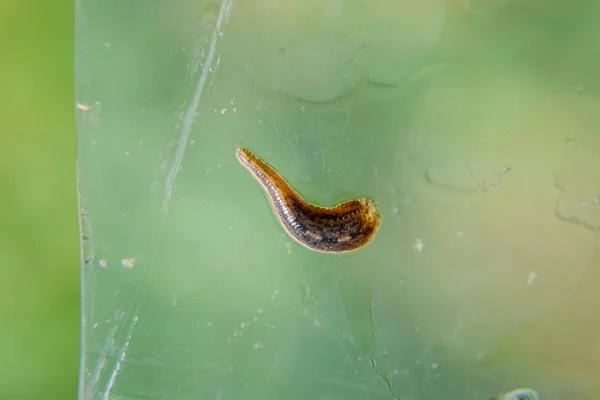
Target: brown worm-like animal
[{"x": 344, "y": 227}]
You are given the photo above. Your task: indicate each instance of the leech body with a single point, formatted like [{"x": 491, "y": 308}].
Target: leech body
[{"x": 344, "y": 227}]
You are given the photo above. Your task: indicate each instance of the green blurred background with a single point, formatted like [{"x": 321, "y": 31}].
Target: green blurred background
[{"x": 39, "y": 256}]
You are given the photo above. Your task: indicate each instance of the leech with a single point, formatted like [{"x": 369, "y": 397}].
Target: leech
[{"x": 344, "y": 227}]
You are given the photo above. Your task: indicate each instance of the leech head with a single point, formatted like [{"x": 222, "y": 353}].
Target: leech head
[{"x": 242, "y": 155}]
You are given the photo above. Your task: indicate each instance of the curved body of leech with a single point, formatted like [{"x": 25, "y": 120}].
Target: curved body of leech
[{"x": 344, "y": 227}]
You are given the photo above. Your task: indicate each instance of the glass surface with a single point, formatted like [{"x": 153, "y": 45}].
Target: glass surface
[{"x": 473, "y": 124}]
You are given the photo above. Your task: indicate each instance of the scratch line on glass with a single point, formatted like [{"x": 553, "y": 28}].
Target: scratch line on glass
[
  {"x": 89, "y": 386},
  {"x": 191, "y": 111},
  {"x": 118, "y": 365}
]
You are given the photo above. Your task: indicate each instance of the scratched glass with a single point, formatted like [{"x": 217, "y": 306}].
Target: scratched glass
[{"x": 473, "y": 126}]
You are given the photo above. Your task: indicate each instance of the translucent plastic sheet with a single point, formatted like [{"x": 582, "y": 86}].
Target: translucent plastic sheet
[{"x": 482, "y": 277}]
